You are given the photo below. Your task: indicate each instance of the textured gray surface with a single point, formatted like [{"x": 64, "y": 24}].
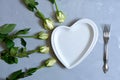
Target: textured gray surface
[{"x": 100, "y": 11}]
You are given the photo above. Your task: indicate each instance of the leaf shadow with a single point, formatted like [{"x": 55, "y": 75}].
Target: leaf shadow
[
  {"x": 53, "y": 16},
  {"x": 41, "y": 23}
]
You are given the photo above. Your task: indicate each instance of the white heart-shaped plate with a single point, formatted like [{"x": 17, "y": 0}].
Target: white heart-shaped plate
[{"x": 72, "y": 44}]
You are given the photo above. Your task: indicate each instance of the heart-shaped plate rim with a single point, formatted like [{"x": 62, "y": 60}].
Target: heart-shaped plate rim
[{"x": 95, "y": 37}]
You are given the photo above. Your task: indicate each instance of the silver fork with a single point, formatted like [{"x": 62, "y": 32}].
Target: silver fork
[{"x": 106, "y": 36}]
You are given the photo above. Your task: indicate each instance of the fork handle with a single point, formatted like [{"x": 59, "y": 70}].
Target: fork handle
[{"x": 105, "y": 58}]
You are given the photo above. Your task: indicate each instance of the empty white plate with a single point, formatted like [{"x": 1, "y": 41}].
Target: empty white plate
[{"x": 72, "y": 44}]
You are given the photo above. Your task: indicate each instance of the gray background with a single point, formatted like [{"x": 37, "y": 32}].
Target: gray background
[{"x": 100, "y": 11}]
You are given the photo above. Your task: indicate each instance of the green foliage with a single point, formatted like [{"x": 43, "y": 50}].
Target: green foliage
[
  {"x": 23, "y": 31},
  {"x": 30, "y": 71},
  {"x": 23, "y": 42},
  {"x": 10, "y": 53},
  {"x": 22, "y": 53},
  {"x": 7, "y": 28},
  {"x": 8, "y": 58},
  {"x": 20, "y": 74},
  {"x": 2, "y": 36},
  {"x": 9, "y": 43},
  {"x": 52, "y": 1},
  {"x": 31, "y": 4},
  {"x": 40, "y": 15},
  {"x": 13, "y": 51},
  {"x": 16, "y": 75}
]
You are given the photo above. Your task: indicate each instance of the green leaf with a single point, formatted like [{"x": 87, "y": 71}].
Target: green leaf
[
  {"x": 19, "y": 74},
  {"x": 9, "y": 43},
  {"x": 22, "y": 53},
  {"x": 15, "y": 75},
  {"x": 9, "y": 59},
  {"x": 2, "y": 36},
  {"x": 31, "y": 4},
  {"x": 30, "y": 71},
  {"x": 23, "y": 42},
  {"x": 52, "y": 1},
  {"x": 6, "y": 56},
  {"x": 23, "y": 31},
  {"x": 22, "y": 50},
  {"x": 7, "y": 28},
  {"x": 13, "y": 51}
]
